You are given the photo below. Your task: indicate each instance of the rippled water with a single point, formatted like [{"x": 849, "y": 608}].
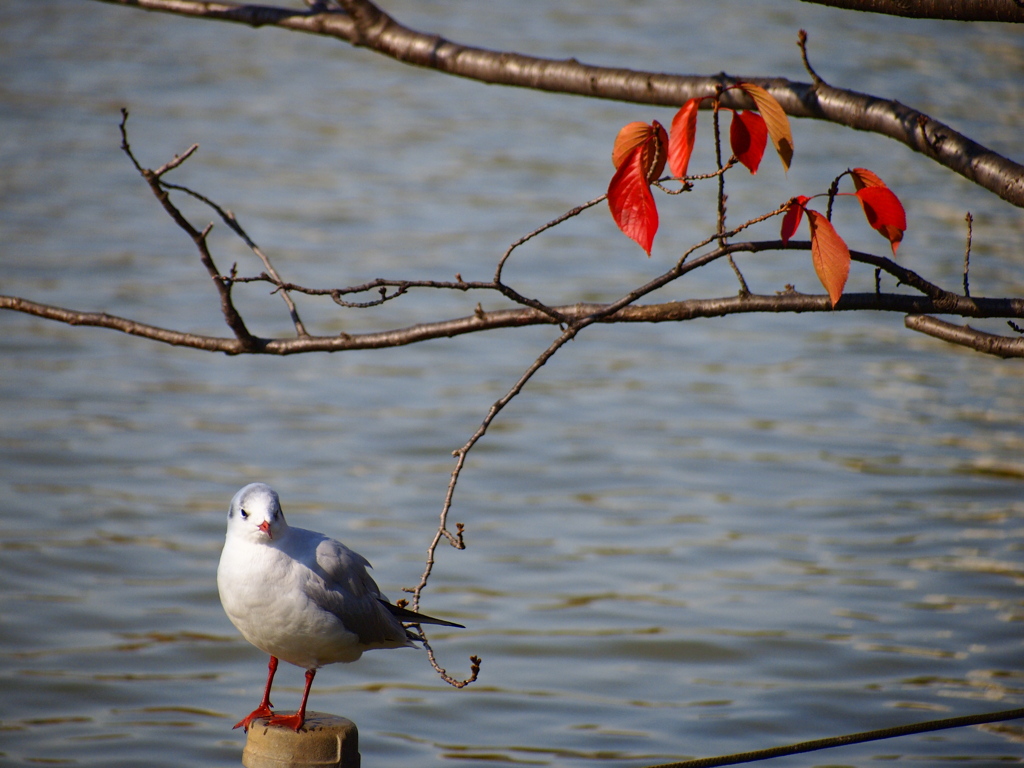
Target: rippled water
[{"x": 683, "y": 540}]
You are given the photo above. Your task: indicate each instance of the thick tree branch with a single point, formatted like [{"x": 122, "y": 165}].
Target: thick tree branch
[
  {"x": 964, "y": 335},
  {"x": 381, "y": 33},
  {"x": 951, "y": 10}
]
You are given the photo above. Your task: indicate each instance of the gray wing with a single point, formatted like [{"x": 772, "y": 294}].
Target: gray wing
[{"x": 352, "y": 595}]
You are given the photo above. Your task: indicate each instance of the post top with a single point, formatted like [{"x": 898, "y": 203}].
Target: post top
[{"x": 325, "y": 741}]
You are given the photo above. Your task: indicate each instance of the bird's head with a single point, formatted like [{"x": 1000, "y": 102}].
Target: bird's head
[{"x": 256, "y": 515}]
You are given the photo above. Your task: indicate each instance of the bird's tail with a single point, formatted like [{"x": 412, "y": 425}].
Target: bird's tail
[{"x": 411, "y": 617}]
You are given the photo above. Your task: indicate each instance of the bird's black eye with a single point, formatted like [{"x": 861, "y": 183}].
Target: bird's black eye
[{"x": 244, "y": 514}]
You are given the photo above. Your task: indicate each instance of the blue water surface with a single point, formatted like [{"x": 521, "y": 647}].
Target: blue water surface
[{"x": 683, "y": 539}]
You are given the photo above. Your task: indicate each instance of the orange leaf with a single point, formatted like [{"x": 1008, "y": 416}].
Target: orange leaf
[
  {"x": 630, "y": 137},
  {"x": 862, "y": 177},
  {"x": 653, "y": 137},
  {"x": 631, "y": 201},
  {"x": 684, "y": 131},
  {"x": 748, "y": 136},
  {"x": 830, "y": 255},
  {"x": 791, "y": 221},
  {"x": 775, "y": 119}
]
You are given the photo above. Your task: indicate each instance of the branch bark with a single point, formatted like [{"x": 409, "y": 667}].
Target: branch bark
[
  {"x": 951, "y": 10},
  {"x": 381, "y": 33},
  {"x": 154, "y": 180},
  {"x": 965, "y": 336},
  {"x": 673, "y": 311}
]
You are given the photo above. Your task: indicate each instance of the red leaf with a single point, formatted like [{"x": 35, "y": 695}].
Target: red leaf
[
  {"x": 884, "y": 213},
  {"x": 631, "y": 201},
  {"x": 794, "y": 214},
  {"x": 882, "y": 208},
  {"x": 830, "y": 255},
  {"x": 684, "y": 131},
  {"x": 748, "y": 136},
  {"x": 653, "y": 137},
  {"x": 775, "y": 120}
]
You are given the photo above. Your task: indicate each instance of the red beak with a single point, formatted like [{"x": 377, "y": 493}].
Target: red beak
[{"x": 265, "y": 527}]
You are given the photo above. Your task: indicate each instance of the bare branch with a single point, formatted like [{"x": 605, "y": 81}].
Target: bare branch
[
  {"x": 624, "y": 308},
  {"x": 461, "y": 453},
  {"x": 554, "y": 222},
  {"x": 131, "y": 327},
  {"x": 153, "y": 179},
  {"x": 964, "y": 335},
  {"x": 952, "y": 10},
  {"x": 231, "y": 220},
  {"x": 674, "y": 311},
  {"x": 802, "y": 44},
  {"x": 170, "y": 165},
  {"x": 474, "y": 668},
  {"x": 967, "y": 253},
  {"x": 383, "y": 34},
  {"x": 933, "y": 300}
]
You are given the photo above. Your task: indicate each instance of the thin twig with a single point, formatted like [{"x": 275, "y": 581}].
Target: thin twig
[
  {"x": 227, "y": 216},
  {"x": 722, "y": 235},
  {"x": 474, "y": 666},
  {"x": 708, "y": 240},
  {"x": 199, "y": 238},
  {"x": 686, "y": 180},
  {"x": 718, "y": 164},
  {"x": 833, "y": 190},
  {"x": 801, "y": 41},
  {"x": 842, "y": 741},
  {"x": 543, "y": 228},
  {"x": 231, "y": 220},
  {"x": 400, "y": 290},
  {"x": 967, "y": 253}
]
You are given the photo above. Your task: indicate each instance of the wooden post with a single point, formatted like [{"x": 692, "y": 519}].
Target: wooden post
[{"x": 325, "y": 741}]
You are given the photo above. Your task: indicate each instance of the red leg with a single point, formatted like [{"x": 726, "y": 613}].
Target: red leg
[
  {"x": 264, "y": 709},
  {"x": 295, "y": 721}
]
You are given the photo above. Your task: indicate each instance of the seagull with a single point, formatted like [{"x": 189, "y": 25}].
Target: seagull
[{"x": 301, "y": 597}]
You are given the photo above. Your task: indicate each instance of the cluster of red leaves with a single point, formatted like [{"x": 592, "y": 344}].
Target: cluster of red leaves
[
  {"x": 642, "y": 150},
  {"x": 829, "y": 253}
]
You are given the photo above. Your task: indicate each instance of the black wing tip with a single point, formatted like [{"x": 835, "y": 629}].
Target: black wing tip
[{"x": 411, "y": 617}]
